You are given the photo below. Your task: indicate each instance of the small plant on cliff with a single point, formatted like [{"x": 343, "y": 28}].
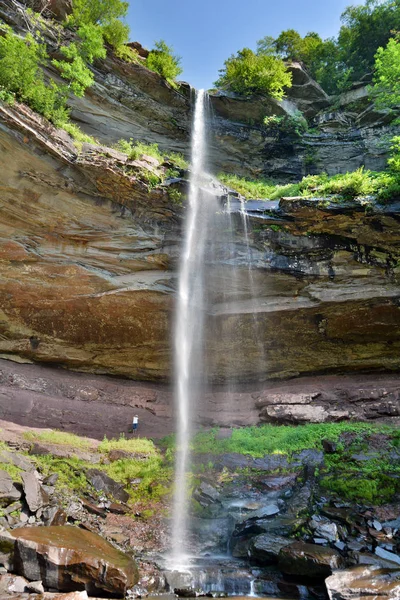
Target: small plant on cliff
[
  {"x": 249, "y": 73},
  {"x": 162, "y": 60},
  {"x": 288, "y": 124}
]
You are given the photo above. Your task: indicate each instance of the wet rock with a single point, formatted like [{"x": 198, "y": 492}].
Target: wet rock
[
  {"x": 185, "y": 592},
  {"x": 307, "y": 559},
  {"x": 213, "y": 534},
  {"x": 7, "y": 544},
  {"x": 265, "y": 548},
  {"x": 206, "y": 494},
  {"x": 104, "y": 483},
  {"x": 71, "y": 559},
  {"x": 35, "y": 496},
  {"x": 8, "y": 491},
  {"x": 389, "y": 556},
  {"x": 54, "y": 515},
  {"x": 12, "y": 584},
  {"x": 324, "y": 529},
  {"x": 34, "y": 587},
  {"x": 361, "y": 582}
]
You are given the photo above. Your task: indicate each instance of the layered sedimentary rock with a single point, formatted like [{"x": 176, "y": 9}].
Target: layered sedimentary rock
[{"x": 88, "y": 267}]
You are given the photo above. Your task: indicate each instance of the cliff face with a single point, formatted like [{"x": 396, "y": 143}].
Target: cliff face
[
  {"x": 88, "y": 250},
  {"x": 88, "y": 268}
]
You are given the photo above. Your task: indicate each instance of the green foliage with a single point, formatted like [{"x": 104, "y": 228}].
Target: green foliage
[
  {"x": 394, "y": 160},
  {"x": 135, "y": 149},
  {"x": 78, "y": 135},
  {"x": 386, "y": 89},
  {"x": 290, "y": 124},
  {"x": 175, "y": 196},
  {"x": 366, "y": 28},
  {"x": 271, "y": 439},
  {"x": 21, "y": 60},
  {"x": 162, "y": 60},
  {"x": 12, "y": 470},
  {"x": 249, "y": 73},
  {"x": 59, "y": 438},
  {"x": 357, "y": 184},
  {"x": 337, "y": 62},
  {"x": 134, "y": 445},
  {"x": 127, "y": 54},
  {"x": 98, "y": 12},
  {"x": 378, "y": 489},
  {"x": 116, "y": 33},
  {"x": 92, "y": 44},
  {"x": 178, "y": 160},
  {"x": 71, "y": 472},
  {"x": 74, "y": 69}
]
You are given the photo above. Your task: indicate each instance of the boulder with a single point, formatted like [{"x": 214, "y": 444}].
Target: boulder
[
  {"x": 265, "y": 548},
  {"x": 8, "y": 491},
  {"x": 71, "y": 559},
  {"x": 309, "y": 560},
  {"x": 103, "y": 483},
  {"x": 368, "y": 583},
  {"x": 35, "y": 495}
]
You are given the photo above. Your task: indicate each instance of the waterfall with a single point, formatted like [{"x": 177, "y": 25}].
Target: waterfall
[{"x": 189, "y": 321}]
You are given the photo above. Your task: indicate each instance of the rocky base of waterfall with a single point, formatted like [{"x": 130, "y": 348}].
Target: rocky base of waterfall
[{"x": 267, "y": 526}]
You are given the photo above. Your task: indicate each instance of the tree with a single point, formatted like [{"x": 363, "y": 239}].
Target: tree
[
  {"x": 248, "y": 73},
  {"x": 365, "y": 29},
  {"x": 162, "y": 60},
  {"x": 98, "y": 12},
  {"x": 386, "y": 88},
  {"x": 289, "y": 44}
]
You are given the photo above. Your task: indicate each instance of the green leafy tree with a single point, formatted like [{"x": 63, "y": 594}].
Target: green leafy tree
[
  {"x": 248, "y": 73},
  {"x": 163, "y": 61},
  {"x": 98, "y": 12},
  {"x": 386, "y": 89},
  {"x": 289, "y": 44},
  {"x": 365, "y": 29}
]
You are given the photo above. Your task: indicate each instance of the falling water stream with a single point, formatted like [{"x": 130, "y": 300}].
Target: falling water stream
[{"x": 189, "y": 323}]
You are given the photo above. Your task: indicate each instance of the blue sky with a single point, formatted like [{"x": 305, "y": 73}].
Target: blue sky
[{"x": 206, "y": 32}]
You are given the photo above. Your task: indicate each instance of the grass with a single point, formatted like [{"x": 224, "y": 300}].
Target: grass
[
  {"x": 135, "y": 150},
  {"x": 78, "y": 135},
  {"x": 60, "y": 438},
  {"x": 12, "y": 470},
  {"x": 273, "y": 439},
  {"x": 137, "y": 446},
  {"x": 357, "y": 184}
]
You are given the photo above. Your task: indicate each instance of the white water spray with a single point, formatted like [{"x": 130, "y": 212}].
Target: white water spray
[{"x": 189, "y": 325}]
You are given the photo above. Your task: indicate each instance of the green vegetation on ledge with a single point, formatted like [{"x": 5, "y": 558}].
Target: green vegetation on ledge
[{"x": 384, "y": 186}]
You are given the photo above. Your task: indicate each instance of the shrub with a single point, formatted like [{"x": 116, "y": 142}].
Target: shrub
[
  {"x": 291, "y": 124},
  {"x": 248, "y": 73},
  {"x": 386, "y": 89},
  {"x": 74, "y": 70},
  {"x": 127, "y": 54},
  {"x": 135, "y": 149},
  {"x": 116, "y": 33},
  {"x": 163, "y": 61},
  {"x": 92, "y": 45},
  {"x": 21, "y": 74}
]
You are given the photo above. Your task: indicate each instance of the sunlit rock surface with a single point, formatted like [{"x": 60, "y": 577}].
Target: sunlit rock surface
[
  {"x": 88, "y": 268},
  {"x": 68, "y": 558}
]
